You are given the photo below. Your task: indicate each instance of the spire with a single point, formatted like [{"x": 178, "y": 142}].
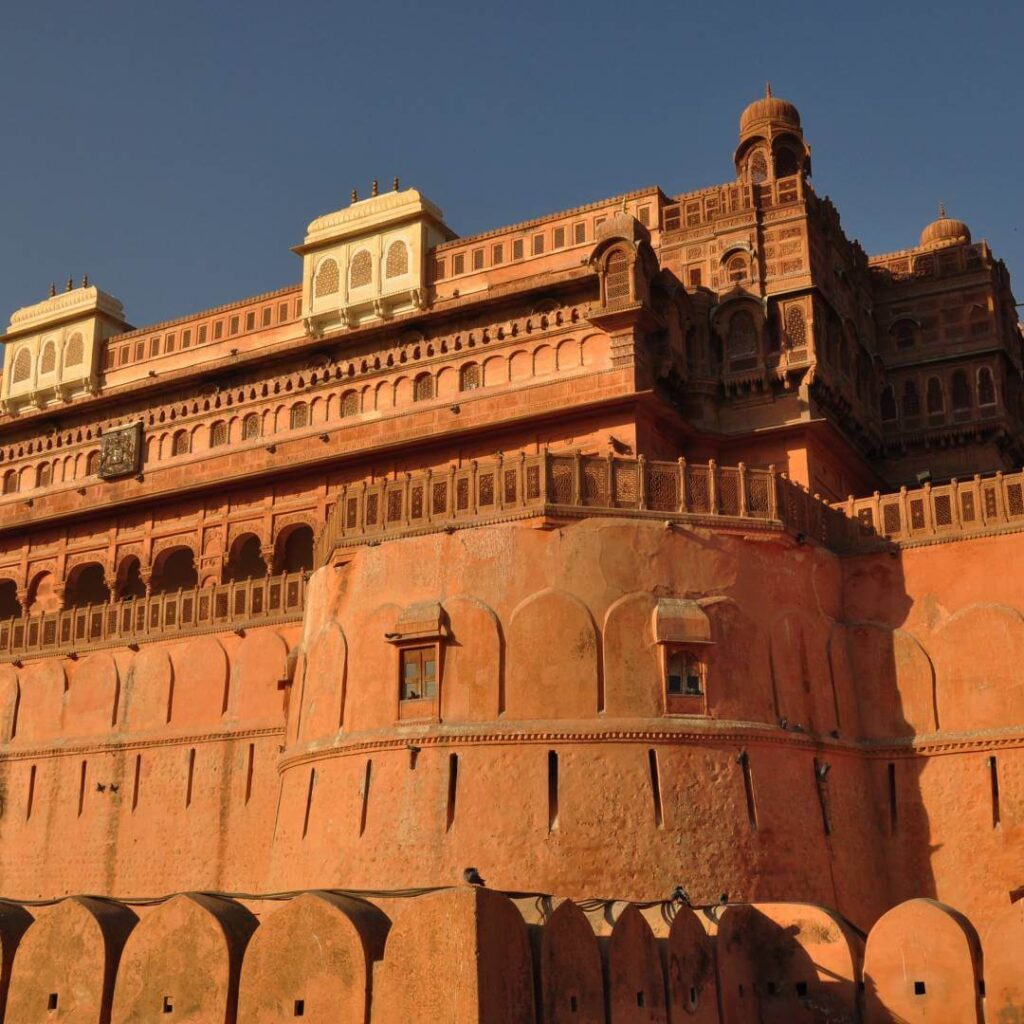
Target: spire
[
  {"x": 767, "y": 90},
  {"x": 942, "y": 209}
]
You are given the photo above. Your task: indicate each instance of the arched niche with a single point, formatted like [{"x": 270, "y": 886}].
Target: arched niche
[
  {"x": 93, "y": 694},
  {"x": 129, "y": 584},
  {"x": 552, "y": 663},
  {"x": 44, "y": 685},
  {"x": 245, "y": 560},
  {"x": 149, "y": 690},
  {"x": 801, "y": 674},
  {"x": 200, "y": 695},
  {"x": 86, "y": 585},
  {"x": 174, "y": 570},
  {"x": 1004, "y": 984},
  {"x": 293, "y": 550},
  {"x": 977, "y": 653},
  {"x": 470, "y": 688},
  {"x": 184, "y": 960},
  {"x": 313, "y": 957},
  {"x": 632, "y": 679},
  {"x": 10, "y": 701},
  {"x": 259, "y": 679}
]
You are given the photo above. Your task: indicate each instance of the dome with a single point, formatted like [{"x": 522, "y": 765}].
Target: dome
[
  {"x": 769, "y": 108},
  {"x": 946, "y": 231}
]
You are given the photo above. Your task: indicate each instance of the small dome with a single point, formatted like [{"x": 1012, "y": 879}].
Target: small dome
[
  {"x": 769, "y": 108},
  {"x": 946, "y": 231}
]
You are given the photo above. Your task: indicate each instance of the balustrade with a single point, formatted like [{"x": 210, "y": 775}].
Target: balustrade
[{"x": 159, "y": 616}]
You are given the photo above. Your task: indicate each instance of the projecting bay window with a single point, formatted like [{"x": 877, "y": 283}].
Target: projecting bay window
[
  {"x": 683, "y": 634},
  {"x": 419, "y": 636}
]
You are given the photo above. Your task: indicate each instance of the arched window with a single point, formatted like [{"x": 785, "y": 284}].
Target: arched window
[
  {"x": 986, "y": 387},
  {"x": 75, "y": 352},
  {"x": 616, "y": 279},
  {"x": 48, "y": 360},
  {"x": 736, "y": 268},
  {"x": 86, "y": 585},
  {"x": 251, "y": 427},
  {"x": 888, "y": 404},
  {"x": 742, "y": 340},
  {"x": 182, "y": 443},
  {"x": 43, "y": 475},
  {"x": 423, "y": 388},
  {"x": 327, "y": 280},
  {"x": 933, "y": 396},
  {"x": 911, "y": 400},
  {"x": 350, "y": 404},
  {"x": 129, "y": 584},
  {"x": 786, "y": 162},
  {"x": 397, "y": 262},
  {"x": 10, "y": 606},
  {"x": 758, "y": 168},
  {"x": 297, "y": 552},
  {"x": 10, "y": 481},
  {"x": 218, "y": 434},
  {"x": 961, "y": 391},
  {"x": 177, "y": 571},
  {"x": 685, "y": 675},
  {"x": 469, "y": 377},
  {"x": 22, "y": 368},
  {"x": 299, "y": 416},
  {"x": 246, "y": 561},
  {"x": 92, "y": 464},
  {"x": 361, "y": 271},
  {"x": 904, "y": 333}
]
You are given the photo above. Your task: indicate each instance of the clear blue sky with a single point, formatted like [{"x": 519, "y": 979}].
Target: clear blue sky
[{"x": 174, "y": 151}]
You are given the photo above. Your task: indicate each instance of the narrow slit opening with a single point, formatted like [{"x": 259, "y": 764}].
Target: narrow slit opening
[
  {"x": 993, "y": 771},
  {"x": 191, "y": 776},
  {"x": 453, "y": 785},
  {"x": 652, "y": 764},
  {"x": 366, "y": 796},
  {"x": 309, "y": 801},
  {"x": 552, "y": 790},
  {"x": 248, "y": 771},
  {"x": 893, "y": 809}
]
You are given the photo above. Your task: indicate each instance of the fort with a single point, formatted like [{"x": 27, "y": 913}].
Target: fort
[{"x": 649, "y": 563}]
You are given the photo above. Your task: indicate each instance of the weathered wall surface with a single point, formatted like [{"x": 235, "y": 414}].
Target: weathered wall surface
[{"x": 475, "y": 955}]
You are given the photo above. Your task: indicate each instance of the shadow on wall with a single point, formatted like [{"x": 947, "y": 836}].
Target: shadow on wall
[{"x": 473, "y": 956}]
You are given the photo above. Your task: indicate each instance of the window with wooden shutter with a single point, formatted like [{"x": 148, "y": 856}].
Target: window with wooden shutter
[{"x": 418, "y": 673}]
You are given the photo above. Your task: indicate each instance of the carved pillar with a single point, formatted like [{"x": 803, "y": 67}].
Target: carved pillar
[
  {"x": 146, "y": 575},
  {"x": 267, "y": 551}
]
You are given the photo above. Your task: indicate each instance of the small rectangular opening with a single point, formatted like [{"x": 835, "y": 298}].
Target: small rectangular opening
[
  {"x": 135, "y": 781},
  {"x": 81, "y": 787},
  {"x": 168, "y": 1005},
  {"x": 300, "y": 1007},
  {"x": 919, "y": 988},
  {"x": 191, "y": 776},
  {"x": 820, "y": 775},
  {"x": 574, "y": 1004},
  {"x": 31, "y": 792},
  {"x": 453, "y": 784},
  {"x": 893, "y": 820},
  {"x": 693, "y": 995},
  {"x": 640, "y": 999},
  {"x": 771, "y": 988},
  {"x": 993, "y": 772},
  {"x": 309, "y": 801},
  {"x": 248, "y": 771},
  {"x": 748, "y": 791},
  {"x": 801, "y": 989},
  {"x": 652, "y": 764},
  {"x": 51, "y": 1002},
  {"x": 552, "y": 791},
  {"x": 366, "y": 796}
]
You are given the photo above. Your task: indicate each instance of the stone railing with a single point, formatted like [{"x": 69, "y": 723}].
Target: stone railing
[
  {"x": 956, "y": 509},
  {"x": 523, "y": 485},
  {"x": 158, "y": 617}
]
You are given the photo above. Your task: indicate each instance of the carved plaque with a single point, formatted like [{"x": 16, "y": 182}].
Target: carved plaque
[{"x": 121, "y": 451}]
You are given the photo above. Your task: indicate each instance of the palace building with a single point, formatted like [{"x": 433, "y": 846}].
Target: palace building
[{"x": 605, "y": 618}]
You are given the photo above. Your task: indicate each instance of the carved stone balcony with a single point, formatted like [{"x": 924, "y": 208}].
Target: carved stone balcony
[
  {"x": 255, "y": 602},
  {"x": 574, "y": 486}
]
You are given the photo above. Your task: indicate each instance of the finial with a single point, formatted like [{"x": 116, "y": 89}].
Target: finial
[
  {"x": 624, "y": 204},
  {"x": 942, "y": 209},
  {"x": 373, "y": 187},
  {"x": 85, "y": 280},
  {"x": 53, "y": 289},
  {"x": 355, "y": 195},
  {"x": 71, "y": 284},
  {"x": 394, "y": 184},
  {"x": 767, "y": 90}
]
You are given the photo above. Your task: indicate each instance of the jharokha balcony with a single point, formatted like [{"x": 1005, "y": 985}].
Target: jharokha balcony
[{"x": 252, "y": 602}]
